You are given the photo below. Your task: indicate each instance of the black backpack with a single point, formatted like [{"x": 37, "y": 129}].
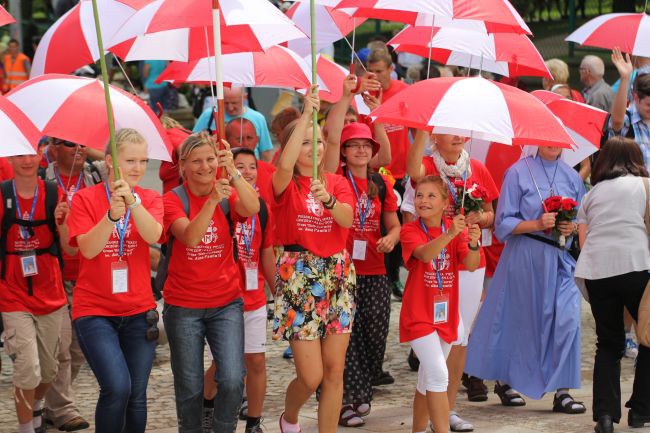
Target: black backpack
[
  {"x": 9, "y": 219},
  {"x": 166, "y": 250}
]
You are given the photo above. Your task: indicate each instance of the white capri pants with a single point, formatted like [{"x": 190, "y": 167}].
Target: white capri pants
[
  {"x": 470, "y": 289},
  {"x": 432, "y": 351}
]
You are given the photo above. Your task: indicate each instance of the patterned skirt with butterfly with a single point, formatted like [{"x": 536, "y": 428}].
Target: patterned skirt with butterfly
[{"x": 315, "y": 296}]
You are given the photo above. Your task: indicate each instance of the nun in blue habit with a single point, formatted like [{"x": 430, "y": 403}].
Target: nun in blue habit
[{"x": 527, "y": 333}]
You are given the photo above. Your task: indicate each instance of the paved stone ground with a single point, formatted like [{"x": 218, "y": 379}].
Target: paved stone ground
[{"x": 391, "y": 408}]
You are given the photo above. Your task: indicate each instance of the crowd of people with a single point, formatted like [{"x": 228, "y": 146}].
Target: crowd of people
[{"x": 492, "y": 293}]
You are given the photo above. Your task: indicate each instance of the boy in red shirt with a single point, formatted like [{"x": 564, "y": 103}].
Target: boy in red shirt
[
  {"x": 430, "y": 320},
  {"x": 32, "y": 300}
]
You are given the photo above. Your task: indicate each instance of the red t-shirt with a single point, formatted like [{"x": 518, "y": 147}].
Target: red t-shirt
[
  {"x": 264, "y": 182},
  {"x": 6, "y": 169},
  {"x": 71, "y": 263},
  {"x": 168, "y": 171},
  {"x": 480, "y": 175},
  {"x": 371, "y": 232},
  {"x": 255, "y": 298},
  {"x": 47, "y": 285},
  {"x": 93, "y": 294},
  {"x": 205, "y": 276},
  {"x": 304, "y": 220},
  {"x": 398, "y": 135},
  {"x": 416, "y": 317}
]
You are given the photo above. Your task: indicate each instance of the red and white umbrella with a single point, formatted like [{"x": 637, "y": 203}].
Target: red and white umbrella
[
  {"x": 582, "y": 122},
  {"x": 332, "y": 25},
  {"x": 71, "y": 42},
  {"x": 499, "y": 15},
  {"x": 277, "y": 67},
  {"x": 629, "y": 32},
  {"x": 19, "y": 135},
  {"x": 5, "y": 18},
  {"x": 475, "y": 107},
  {"x": 507, "y": 54},
  {"x": 182, "y": 31},
  {"x": 75, "y": 110}
]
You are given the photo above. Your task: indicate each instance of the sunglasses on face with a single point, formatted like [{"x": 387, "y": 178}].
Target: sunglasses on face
[
  {"x": 151, "y": 317},
  {"x": 68, "y": 144},
  {"x": 359, "y": 146}
]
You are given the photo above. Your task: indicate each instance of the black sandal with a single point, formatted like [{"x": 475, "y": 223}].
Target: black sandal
[
  {"x": 566, "y": 404},
  {"x": 349, "y": 417},
  {"x": 476, "y": 389},
  {"x": 508, "y": 398}
]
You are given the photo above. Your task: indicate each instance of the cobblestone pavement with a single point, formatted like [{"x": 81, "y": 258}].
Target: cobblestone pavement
[{"x": 391, "y": 407}]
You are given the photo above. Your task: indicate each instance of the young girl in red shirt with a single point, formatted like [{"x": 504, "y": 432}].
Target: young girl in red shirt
[
  {"x": 430, "y": 320},
  {"x": 314, "y": 306}
]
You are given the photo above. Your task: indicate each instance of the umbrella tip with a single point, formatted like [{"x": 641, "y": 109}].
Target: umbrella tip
[{"x": 159, "y": 110}]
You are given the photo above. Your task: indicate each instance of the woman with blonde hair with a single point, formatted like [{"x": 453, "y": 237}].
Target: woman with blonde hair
[
  {"x": 114, "y": 312},
  {"x": 560, "y": 75},
  {"x": 314, "y": 307},
  {"x": 203, "y": 298}
]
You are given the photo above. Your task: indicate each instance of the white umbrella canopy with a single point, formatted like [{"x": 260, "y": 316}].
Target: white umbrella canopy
[{"x": 19, "y": 135}]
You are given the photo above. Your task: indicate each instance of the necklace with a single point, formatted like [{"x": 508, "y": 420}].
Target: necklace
[{"x": 551, "y": 182}]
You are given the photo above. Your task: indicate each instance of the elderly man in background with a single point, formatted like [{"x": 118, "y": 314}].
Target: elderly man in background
[
  {"x": 597, "y": 92},
  {"x": 234, "y": 104}
]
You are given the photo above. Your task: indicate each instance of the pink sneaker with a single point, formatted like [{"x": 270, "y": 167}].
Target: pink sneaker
[{"x": 282, "y": 429}]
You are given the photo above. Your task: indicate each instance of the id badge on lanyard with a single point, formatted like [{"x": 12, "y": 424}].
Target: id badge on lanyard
[
  {"x": 359, "y": 247},
  {"x": 486, "y": 237},
  {"x": 440, "y": 308},
  {"x": 120, "y": 277},
  {"x": 251, "y": 267},
  {"x": 28, "y": 264},
  {"x": 252, "y": 280}
]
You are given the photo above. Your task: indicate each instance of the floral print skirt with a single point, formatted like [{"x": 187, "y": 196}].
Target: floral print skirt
[{"x": 314, "y": 295}]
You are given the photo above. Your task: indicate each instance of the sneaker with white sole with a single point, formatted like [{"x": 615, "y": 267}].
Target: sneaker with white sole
[
  {"x": 208, "y": 414},
  {"x": 631, "y": 348}
]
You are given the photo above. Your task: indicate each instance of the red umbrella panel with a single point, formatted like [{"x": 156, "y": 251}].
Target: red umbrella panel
[{"x": 5, "y": 18}]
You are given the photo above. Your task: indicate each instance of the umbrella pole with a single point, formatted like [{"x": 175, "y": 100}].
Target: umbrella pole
[
  {"x": 219, "y": 119},
  {"x": 107, "y": 91},
  {"x": 126, "y": 76},
  {"x": 433, "y": 23},
  {"x": 314, "y": 80}
]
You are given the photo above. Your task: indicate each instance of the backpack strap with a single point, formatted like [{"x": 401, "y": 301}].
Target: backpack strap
[
  {"x": 378, "y": 180},
  {"x": 225, "y": 208},
  {"x": 8, "y": 219},
  {"x": 51, "y": 201},
  {"x": 263, "y": 216},
  {"x": 630, "y": 132}
]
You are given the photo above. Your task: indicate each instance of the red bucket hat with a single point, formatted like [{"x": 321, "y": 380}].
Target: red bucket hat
[{"x": 358, "y": 130}]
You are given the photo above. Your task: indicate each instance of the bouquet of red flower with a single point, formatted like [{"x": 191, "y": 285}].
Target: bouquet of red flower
[
  {"x": 473, "y": 198},
  {"x": 566, "y": 209}
]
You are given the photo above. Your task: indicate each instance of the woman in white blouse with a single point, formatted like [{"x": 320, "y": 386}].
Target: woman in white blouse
[{"x": 613, "y": 269}]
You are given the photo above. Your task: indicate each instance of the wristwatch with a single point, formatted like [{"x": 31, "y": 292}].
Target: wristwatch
[
  {"x": 476, "y": 248},
  {"x": 137, "y": 202},
  {"x": 237, "y": 176}
]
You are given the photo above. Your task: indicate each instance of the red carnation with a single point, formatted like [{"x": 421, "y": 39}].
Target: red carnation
[
  {"x": 476, "y": 193},
  {"x": 459, "y": 183}
]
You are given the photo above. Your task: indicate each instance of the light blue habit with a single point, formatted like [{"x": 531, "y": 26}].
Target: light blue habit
[{"x": 527, "y": 333}]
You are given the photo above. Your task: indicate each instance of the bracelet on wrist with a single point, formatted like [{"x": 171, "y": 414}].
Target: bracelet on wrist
[
  {"x": 330, "y": 203},
  {"x": 473, "y": 247},
  {"x": 111, "y": 220}
]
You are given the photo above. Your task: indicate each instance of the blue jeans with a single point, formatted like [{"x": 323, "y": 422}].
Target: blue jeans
[
  {"x": 120, "y": 357},
  {"x": 187, "y": 329},
  {"x": 156, "y": 95}
]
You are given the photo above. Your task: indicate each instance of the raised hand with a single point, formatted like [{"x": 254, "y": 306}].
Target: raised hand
[
  {"x": 623, "y": 64},
  {"x": 458, "y": 225},
  {"x": 319, "y": 192}
]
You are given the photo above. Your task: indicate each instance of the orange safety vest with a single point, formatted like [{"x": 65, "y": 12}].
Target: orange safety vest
[{"x": 15, "y": 71}]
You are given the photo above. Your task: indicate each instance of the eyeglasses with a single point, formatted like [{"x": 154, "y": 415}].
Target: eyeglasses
[
  {"x": 359, "y": 146},
  {"x": 151, "y": 317}
]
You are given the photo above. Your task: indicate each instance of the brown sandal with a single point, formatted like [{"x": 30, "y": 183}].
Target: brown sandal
[
  {"x": 476, "y": 389},
  {"x": 349, "y": 417}
]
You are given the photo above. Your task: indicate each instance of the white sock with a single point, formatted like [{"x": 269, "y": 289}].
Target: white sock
[
  {"x": 26, "y": 428},
  {"x": 629, "y": 335},
  {"x": 38, "y": 420}
]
